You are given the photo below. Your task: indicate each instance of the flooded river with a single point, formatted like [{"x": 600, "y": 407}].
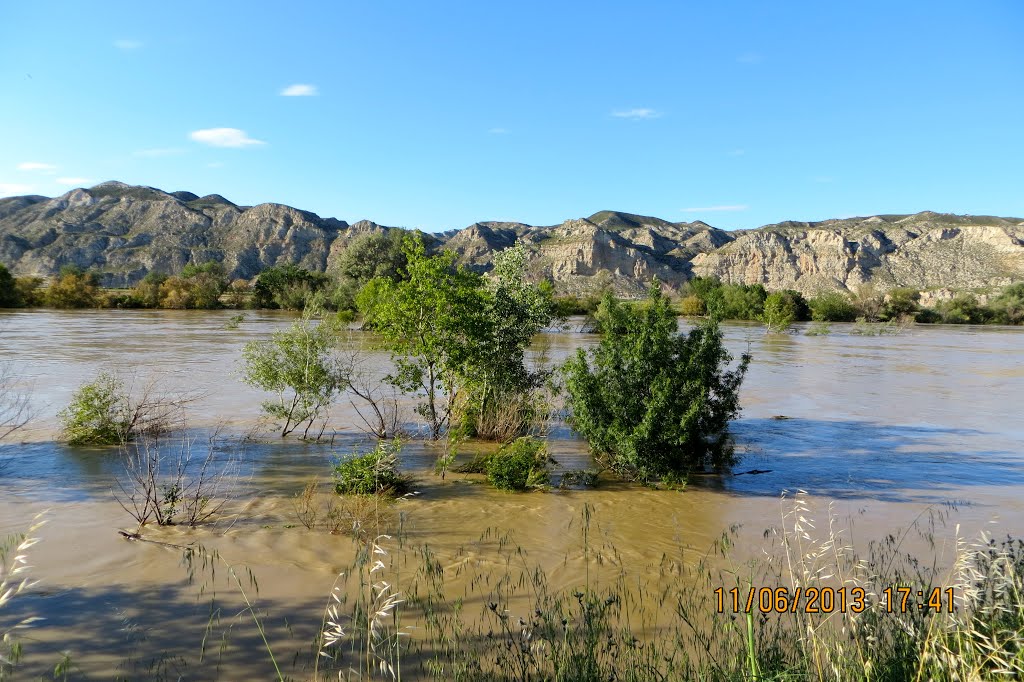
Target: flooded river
[{"x": 882, "y": 428}]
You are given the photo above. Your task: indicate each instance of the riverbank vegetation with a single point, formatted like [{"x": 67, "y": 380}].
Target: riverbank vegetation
[{"x": 384, "y": 257}]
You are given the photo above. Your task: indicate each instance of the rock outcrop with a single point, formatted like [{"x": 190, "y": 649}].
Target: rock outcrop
[{"x": 125, "y": 231}]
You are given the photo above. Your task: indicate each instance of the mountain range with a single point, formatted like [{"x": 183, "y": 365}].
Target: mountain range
[{"x": 124, "y": 231}]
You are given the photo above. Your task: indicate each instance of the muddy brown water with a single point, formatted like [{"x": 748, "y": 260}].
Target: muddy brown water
[{"x": 883, "y": 429}]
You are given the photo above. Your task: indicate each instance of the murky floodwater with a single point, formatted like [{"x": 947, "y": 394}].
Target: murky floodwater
[{"x": 884, "y": 427}]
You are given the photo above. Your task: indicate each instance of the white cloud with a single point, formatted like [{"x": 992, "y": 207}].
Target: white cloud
[
  {"x": 823, "y": 179},
  {"x": 215, "y": 164},
  {"x": 36, "y": 166},
  {"x": 158, "y": 152},
  {"x": 737, "y": 152},
  {"x": 713, "y": 209},
  {"x": 299, "y": 90},
  {"x": 637, "y": 114},
  {"x": 124, "y": 44},
  {"x": 224, "y": 137},
  {"x": 14, "y": 189},
  {"x": 498, "y": 131},
  {"x": 74, "y": 182},
  {"x": 750, "y": 58}
]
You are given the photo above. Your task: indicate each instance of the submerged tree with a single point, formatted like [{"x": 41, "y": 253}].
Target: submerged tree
[
  {"x": 301, "y": 366},
  {"x": 431, "y": 321},
  {"x": 654, "y": 403}
]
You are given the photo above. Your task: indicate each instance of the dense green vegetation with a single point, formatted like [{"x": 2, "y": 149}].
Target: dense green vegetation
[
  {"x": 300, "y": 365},
  {"x": 458, "y": 339},
  {"x": 375, "y": 473},
  {"x": 98, "y": 413},
  {"x": 654, "y": 403},
  {"x": 519, "y": 465}
]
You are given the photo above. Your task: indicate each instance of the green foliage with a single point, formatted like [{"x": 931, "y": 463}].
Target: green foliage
[
  {"x": 73, "y": 288},
  {"x": 432, "y": 322},
  {"x": 519, "y": 465},
  {"x": 655, "y": 402},
  {"x": 370, "y": 256},
  {"x": 779, "y": 312},
  {"x": 10, "y": 297},
  {"x": 198, "y": 287},
  {"x": 901, "y": 303},
  {"x": 286, "y": 286},
  {"x": 740, "y": 302},
  {"x": 962, "y": 309},
  {"x": 98, "y": 413},
  {"x": 496, "y": 375},
  {"x": 375, "y": 473},
  {"x": 832, "y": 307},
  {"x": 819, "y": 329},
  {"x": 299, "y": 365},
  {"x": 1008, "y": 306}
]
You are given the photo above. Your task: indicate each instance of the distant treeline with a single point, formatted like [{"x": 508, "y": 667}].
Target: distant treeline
[{"x": 290, "y": 287}]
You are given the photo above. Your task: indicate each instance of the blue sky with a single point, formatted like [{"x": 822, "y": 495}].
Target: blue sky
[{"x": 435, "y": 115}]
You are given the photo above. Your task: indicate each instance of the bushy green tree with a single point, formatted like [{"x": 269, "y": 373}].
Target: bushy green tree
[
  {"x": 832, "y": 307},
  {"x": 514, "y": 312},
  {"x": 962, "y": 309},
  {"x": 286, "y": 286},
  {"x": 900, "y": 303},
  {"x": 1008, "y": 306},
  {"x": 740, "y": 302},
  {"x": 433, "y": 321},
  {"x": 300, "y": 365},
  {"x": 369, "y": 256},
  {"x": 10, "y": 297},
  {"x": 651, "y": 402},
  {"x": 197, "y": 287},
  {"x": 98, "y": 414},
  {"x": 779, "y": 312}
]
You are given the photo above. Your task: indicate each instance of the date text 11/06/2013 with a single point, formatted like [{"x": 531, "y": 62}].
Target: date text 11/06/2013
[{"x": 895, "y": 599}]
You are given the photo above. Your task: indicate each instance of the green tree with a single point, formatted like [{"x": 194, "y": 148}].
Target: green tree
[
  {"x": 98, "y": 414},
  {"x": 10, "y": 297},
  {"x": 1008, "y": 306},
  {"x": 651, "y": 402},
  {"x": 368, "y": 256},
  {"x": 300, "y": 365},
  {"x": 286, "y": 286},
  {"x": 514, "y": 312},
  {"x": 432, "y": 322},
  {"x": 962, "y": 309},
  {"x": 832, "y": 307},
  {"x": 901, "y": 303},
  {"x": 779, "y": 312},
  {"x": 740, "y": 302}
]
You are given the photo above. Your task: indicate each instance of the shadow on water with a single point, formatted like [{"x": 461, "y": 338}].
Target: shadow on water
[{"x": 859, "y": 459}]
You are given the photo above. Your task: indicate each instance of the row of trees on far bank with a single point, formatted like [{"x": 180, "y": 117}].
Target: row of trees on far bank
[{"x": 382, "y": 257}]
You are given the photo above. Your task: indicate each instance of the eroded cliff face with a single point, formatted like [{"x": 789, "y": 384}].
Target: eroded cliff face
[
  {"x": 125, "y": 231},
  {"x": 922, "y": 251}
]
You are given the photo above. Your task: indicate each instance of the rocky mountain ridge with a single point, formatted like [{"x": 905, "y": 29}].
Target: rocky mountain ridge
[{"x": 125, "y": 231}]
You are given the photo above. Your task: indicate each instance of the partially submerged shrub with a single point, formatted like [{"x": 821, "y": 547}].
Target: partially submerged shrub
[
  {"x": 104, "y": 412},
  {"x": 375, "y": 473},
  {"x": 519, "y": 465},
  {"x": 832, "y": 307},
  {"x": 98, "y": 413},
  {"x": 651, "y": 401}
]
